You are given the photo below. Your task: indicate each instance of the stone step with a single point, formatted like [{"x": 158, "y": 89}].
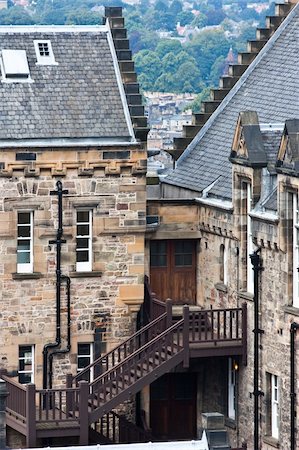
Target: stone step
[
  {"x": 256, "y": 45},
  {"x": 264, "y": 33},
  {"x": 129, "y": 77},
  {"x": 121, "y": 44},
  {"x": 134, "y": 99},
  {"x": 219, "y": 94},
  {"x": 119, "y": 33},
  {"x": 282, "y": 9},
  {"x": 113, "y": 11},
  {"x": 246, "y": 57},
  {"x": 131, "y": 88},
  {"x": 136, "y": 110},
  {"x": 126, "y": 66},
  {"x": 190, "y": 131},
  {"x": 117, "y": 22},
  {"x": 210, "y": 106},
  {"x": 124, "y": 55},
  {"x": 139, "y": 122},
  {"x": 237, "y": 70},
  {"x": 181, "y": 143},
  {"x": 227, "y": 82},
  {"x": 201, "y": 118},
  {"x": 141, "y": 133},
  {"x": 273, "y": 21}
]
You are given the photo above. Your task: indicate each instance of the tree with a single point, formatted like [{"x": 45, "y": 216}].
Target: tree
[
  {"x": 185, "y": 17},
  {"x": 167, "y": 46},
  {"x": 15, "y": 16},
  {"x": 83, "y": 17}
]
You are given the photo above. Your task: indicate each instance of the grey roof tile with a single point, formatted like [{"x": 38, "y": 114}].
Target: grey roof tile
[
  {"x": 270, "y": 87},
  {"x": 78, "y": 98}
]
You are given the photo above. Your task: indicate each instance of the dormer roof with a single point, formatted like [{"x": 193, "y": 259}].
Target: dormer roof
[
  {"x": 248, "y": 147},
  {"x": 288, "y": 155}
]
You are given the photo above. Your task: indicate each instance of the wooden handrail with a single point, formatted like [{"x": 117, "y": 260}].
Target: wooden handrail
[
  {"x": 13, "y": 382},
  {"x": 139, "y": 350},
  {"x": 132, "y": 338}
]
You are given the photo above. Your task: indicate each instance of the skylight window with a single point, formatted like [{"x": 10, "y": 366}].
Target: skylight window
[
  {"x": 14, "y": 65},
  {"x": 44, "y": 53}
]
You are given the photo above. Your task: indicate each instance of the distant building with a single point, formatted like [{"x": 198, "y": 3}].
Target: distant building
[{"x": 3, "y": 4}]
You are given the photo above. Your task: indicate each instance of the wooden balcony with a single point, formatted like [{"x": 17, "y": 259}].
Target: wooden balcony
[{"x": 80, "y": 408}]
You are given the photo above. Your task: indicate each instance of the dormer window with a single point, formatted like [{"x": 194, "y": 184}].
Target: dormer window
[
  {"x": 44, "y": 53},
  {"x": 14, "y": 66}
]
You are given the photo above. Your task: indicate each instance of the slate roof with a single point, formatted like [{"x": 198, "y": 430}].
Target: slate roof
[
  {"x": 271, "y": 202},
  {"x": 80, "y": 97},
  {"x": 269, "y": 86},
  {"x": 271, "y": 140}
]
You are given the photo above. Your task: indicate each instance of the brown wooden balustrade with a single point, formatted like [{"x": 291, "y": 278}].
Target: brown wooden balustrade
[
  {"x": 127, "y": 347},
  {"x": 83, "y": 409},
  {"x": 139, "y": 369},
  {"x": 117, "y": 429}
]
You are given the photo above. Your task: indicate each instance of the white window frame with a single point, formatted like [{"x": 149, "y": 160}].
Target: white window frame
[
  {"x": 249, "y": 250},
  {"x": 90, "y": 356},
  {"x": 31, "y": 358},
  {"x": 295, "y": 251},
  {"x": 84, "y": 266},
  {"x": 274, "y": 406},
  {"x": 43, "y": 60},
  {"x": 231, "y": 390},
  {"x": 25, "y": 267}
]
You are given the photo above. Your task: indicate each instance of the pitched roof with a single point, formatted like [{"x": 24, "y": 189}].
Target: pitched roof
[
  {"x": 81, "y": 97},
  {"x": 269, "y": 86}
]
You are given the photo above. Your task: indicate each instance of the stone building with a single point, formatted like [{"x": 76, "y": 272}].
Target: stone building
[
  {"x": 70, "y": 289},
  {"x": 235, "y": 191},
  {"x": 70, "y": 123}
]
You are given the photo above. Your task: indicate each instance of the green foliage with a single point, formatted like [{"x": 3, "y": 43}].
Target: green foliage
[{"x": 15, "y": 16}]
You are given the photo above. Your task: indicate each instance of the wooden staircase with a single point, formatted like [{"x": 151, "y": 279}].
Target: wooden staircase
[
  {"x": 84, "y": 409},
  {"x": 228, "y": 81}
]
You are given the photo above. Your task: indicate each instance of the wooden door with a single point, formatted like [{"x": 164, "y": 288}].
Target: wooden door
[
  {"x": 173, "y": 407},
  {"x": 173, "y": 270}
]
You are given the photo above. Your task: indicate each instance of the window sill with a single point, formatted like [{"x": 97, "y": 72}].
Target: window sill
[
  {"x": 246, "y": 296},
  {"x": 27, "y": 276},
  {"x": 221, "y": 287},
  {"x": 230, "y": 423},
  {"x": 271, "y": 441},
  {"x": 291, "y": 310},
  {"x": 91, "y": 274}
]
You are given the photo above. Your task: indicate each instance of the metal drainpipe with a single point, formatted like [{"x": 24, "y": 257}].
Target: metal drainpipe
[
  {"x": 256, "y": 263},
  {"x": 68, "y": 346},
  {"x": 58, "y": 241},
  {"x": 293, "y": 330}
]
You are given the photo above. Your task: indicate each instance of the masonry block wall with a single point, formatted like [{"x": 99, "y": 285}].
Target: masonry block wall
[{"x": 111, "y": 185}]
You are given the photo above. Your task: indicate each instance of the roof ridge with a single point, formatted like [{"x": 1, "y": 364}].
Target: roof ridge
[{"x": 238, "y": 85}]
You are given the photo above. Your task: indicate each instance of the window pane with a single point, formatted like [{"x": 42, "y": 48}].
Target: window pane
[
  {"x": 25, "y": 378},
  {"x": 82, "y": 256},
  {"x": 83, "y": 349},
  {"x": 83, "y": 361},
  {"x": 82, "y": 242},
  {"x": 158, "y": 261},
  {"x": 82, "y": 230},
  {"x": 23, "y": 258},
  {"x": 23, "y": 217},
  {"x": 24, "y": 245},
  {"x": 24, "y": 231},
  {"x": 24, "y": 350},
  {"x": 82, "y": 216}
]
